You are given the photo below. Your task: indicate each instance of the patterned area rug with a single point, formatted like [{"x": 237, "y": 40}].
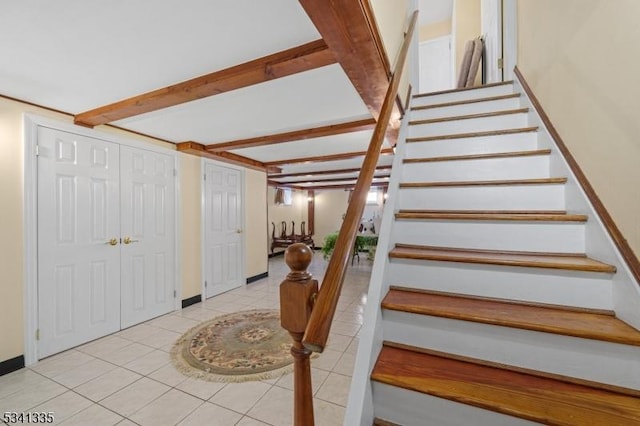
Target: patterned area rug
[{"x": 238, "y": 347}]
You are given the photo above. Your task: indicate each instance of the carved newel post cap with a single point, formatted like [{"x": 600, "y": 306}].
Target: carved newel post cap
[{"x": 298, "y": 257}]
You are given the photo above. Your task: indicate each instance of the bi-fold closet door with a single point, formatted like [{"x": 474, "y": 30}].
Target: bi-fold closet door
[{"x": 106, "y": 238}]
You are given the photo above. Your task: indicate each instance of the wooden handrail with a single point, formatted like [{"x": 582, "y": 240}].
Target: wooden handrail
[{"x": 317, "y": 330}]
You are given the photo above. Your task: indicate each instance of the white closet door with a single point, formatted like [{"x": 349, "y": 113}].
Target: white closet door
[
  {"x": 435, "y": 65},
  {"x": 148, "y": 240},
  {"x": 78, "y": 240},
  {"x": 491, "y": 23},
  {"x": 223, "y": 229}
]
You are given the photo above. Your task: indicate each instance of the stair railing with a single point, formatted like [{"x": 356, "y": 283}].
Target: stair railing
[{"x": 307, "y": 321}]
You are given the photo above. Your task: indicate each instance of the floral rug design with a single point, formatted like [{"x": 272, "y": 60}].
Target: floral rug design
[{"x": 238, "y": 347}]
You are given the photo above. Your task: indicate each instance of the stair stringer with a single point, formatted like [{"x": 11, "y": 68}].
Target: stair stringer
[
  {"x": 598, "y": 242},
  {"x": 359, "y": 409}
]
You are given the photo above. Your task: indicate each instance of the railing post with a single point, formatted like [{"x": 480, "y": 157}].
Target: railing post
[{"x": 297, "y": 294}]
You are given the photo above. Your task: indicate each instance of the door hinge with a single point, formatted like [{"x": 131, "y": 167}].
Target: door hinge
[
  {"x": 205, "y": 177},
  {"x": 175, "y": 173},
  {"x": 500, "y": 63},
  {"x": 38, "y": 334},
  {"x": 205, "y": 284},
  {"x": 37, "y": 150},
  {"x": 175, "y": 294}
]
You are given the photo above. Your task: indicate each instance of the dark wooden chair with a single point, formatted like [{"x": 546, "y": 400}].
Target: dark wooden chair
[
  {"x": 305, "y": 238},
  {"x": 283, "y": 240}
]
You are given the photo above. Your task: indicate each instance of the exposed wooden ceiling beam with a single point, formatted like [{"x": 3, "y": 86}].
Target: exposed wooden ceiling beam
[
  {"x": 291, "y": 61},
  {"x": 321, "y": 158},
  {"x": 227, "y": 157},
  {"x": 295, "y": 135},
  {"x": 350, "y": 30},
  {"x": 347, "y": 186},
  {"x": 283, "y": 185},
  {"x": 322, "y": 172},
  {"x": 330, "y": 179},
  {"x": 345, "y": 27}
]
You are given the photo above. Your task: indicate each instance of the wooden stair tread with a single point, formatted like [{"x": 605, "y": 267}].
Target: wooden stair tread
[
  {"x": 576, "y": 262},
  {"x": 569, "y": 322},
  {"x": 474, "y": 134},
  {"x": 542, "y": 181},
  {"x": 462, "y": 89},
  {"x": 532, "y": 153},
  {"x": 469, "y": 116},
  {"x": 491, "y": 215},
  {"x": 546, "y": 400},
  {"x": 466, "y": 102},
  {"x": 382, "y": 422}
]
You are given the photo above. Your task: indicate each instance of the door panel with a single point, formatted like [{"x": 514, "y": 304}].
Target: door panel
[
  {"x": 223, "y": 229},
  {"x": 148, "y": 238},
  {"x": 78, "y": 213},
  {"x": 491, "y": 23},
  {"x": 435, "y": 65}
]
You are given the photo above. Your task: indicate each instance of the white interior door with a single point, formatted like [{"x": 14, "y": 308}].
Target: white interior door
[
  {"x": 491, "y": 27},
  {"x": 78, "y": 240},
  {"x": 223, "y": 227},
  {"x": 147, "y": 206},
  {"x": 435, "y": 65}
]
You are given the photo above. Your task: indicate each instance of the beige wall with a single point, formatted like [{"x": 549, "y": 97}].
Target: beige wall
[
  {"x": 435, "y": 30},
  {"x": 11, "y": 258},
  {"x": 191, "y": 235},
  {"x": 330, "y": 206},
  {"x": 468, "y": 26},
  {"x": 391, "y": 17},
  {"x": 579, "y": 58},
  {"x": 255, "y": 223}
]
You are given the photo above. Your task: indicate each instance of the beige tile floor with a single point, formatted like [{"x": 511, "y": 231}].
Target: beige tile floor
[{"x": 127, "y": 378}]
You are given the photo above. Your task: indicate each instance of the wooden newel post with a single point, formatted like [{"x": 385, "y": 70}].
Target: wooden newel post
[{"x": 297, "y": 294}]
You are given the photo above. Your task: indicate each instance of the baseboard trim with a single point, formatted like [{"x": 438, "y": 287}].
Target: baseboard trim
[
  {"x": 191, "y": 300},
  {"x": 11, "y": 365},
  {"x": 620, "y": 241},
  {"x": 257, "y": 277}
]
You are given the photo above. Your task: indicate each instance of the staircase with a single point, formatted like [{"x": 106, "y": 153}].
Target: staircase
[{"x": 497, "y": 296}]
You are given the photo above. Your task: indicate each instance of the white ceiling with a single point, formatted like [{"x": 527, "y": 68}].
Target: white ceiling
[
  {"x": 76, "y": 55},
  {"x": 295, "y": 102}
]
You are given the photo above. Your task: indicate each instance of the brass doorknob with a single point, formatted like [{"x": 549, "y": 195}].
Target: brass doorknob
[
  {"x": 128, "y": 240},
  {"x": 112, "y": 242}
]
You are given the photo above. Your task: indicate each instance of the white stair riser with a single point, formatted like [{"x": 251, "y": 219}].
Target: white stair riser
[
  {"x": 551, "y": 286},
  {"x": 482, "y": 124},
  {"x": 508, "y": 197},
  {"x": 485, "y": 92},
  {"x": 564, "y": 355},
  {"x": 530, "y": 167},
  {"x": 410, "y": 408},
  {"x": 476, "y": 145},
  {"x": 474, "y": 108},
  {"x": 491, "y": 235}
]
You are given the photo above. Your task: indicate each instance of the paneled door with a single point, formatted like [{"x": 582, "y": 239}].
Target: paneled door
[
  {"x": 491, "y": 23},
  {"x": 148, "y": 240},
  {"x": 223, "y": 231},
  {"x": 436, "y": 68},
  {"x": 78, "y": 240},
  {"x": 106, "y": 238}
]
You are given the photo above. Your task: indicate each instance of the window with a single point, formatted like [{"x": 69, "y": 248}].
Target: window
[
  {"x": 372, "y": 197},
  {"x": 283, "y": 197}
]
